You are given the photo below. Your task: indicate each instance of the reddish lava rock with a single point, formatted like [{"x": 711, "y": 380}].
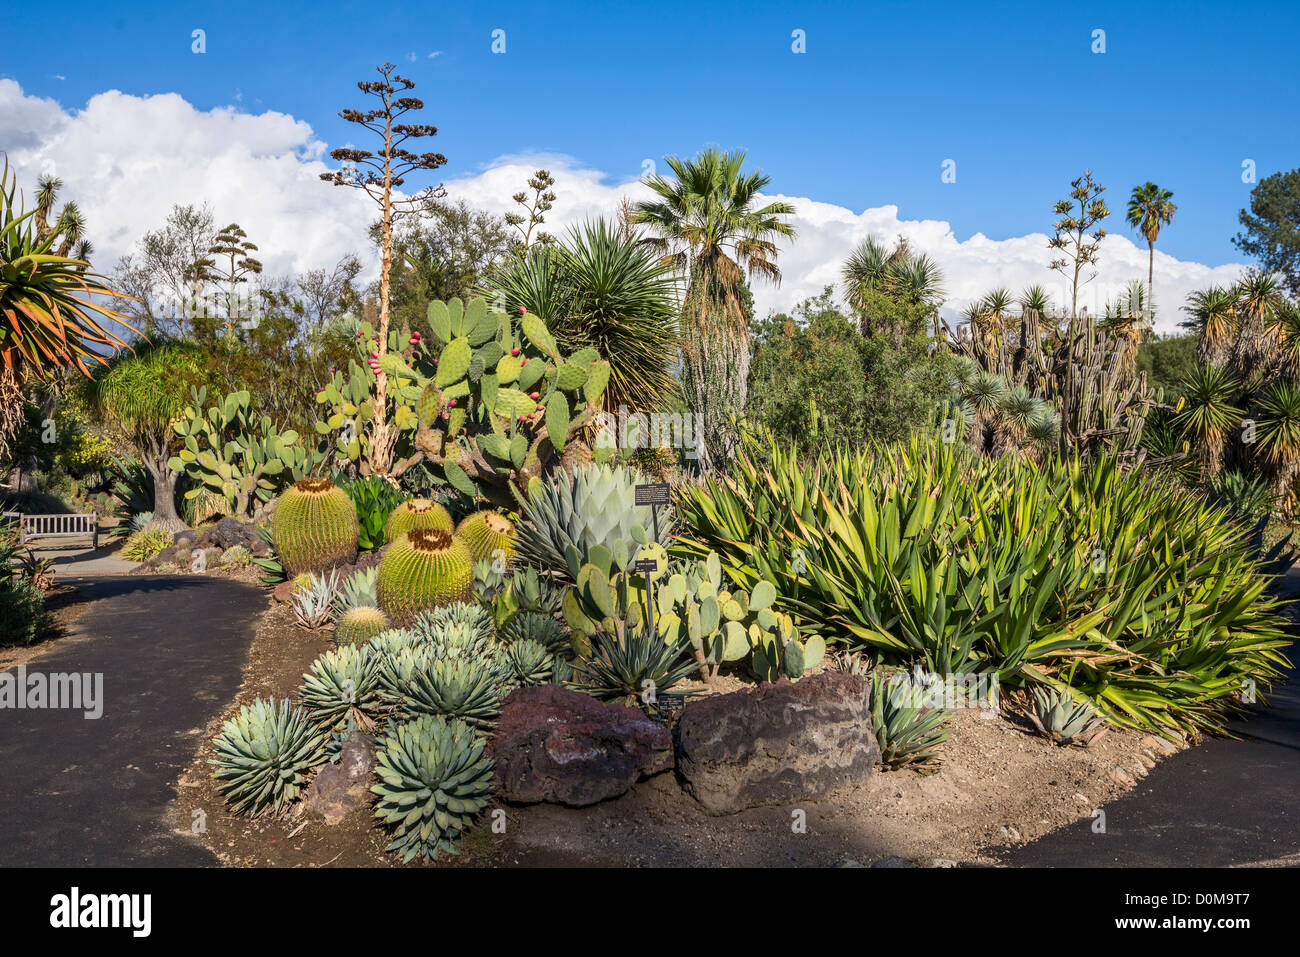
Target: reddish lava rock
[{"x": 556, "y": 745}]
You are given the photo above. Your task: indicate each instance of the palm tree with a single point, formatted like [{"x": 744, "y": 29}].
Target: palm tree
[
  {"x": 1149, "y": 209},
  {"x": 141, "y": 395},
  {"x": 708, "y": 225},
  {"x": 49, "y": 317},
  {"x": 601, "y": 288}
]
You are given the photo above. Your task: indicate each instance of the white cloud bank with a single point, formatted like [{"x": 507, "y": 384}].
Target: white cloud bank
[{"x": 127, "y": 159}]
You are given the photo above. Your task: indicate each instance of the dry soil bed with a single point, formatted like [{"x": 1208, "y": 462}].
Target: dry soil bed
[{"x": 998, "y": 785}]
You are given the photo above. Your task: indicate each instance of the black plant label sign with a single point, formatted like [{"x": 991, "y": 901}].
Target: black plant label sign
[
  {"x": 653, "y": 493},
  {"x": 647, "y": 565}
]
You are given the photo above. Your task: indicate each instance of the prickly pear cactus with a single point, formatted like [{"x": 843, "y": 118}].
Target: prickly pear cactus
[
  {"x": 231, "y": 452},
  {"x": 314, "y": 527},
  {"x": 504, "y": 405}
]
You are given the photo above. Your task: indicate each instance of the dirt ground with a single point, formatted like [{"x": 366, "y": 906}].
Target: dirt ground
[{"x": 999, "y": 784}]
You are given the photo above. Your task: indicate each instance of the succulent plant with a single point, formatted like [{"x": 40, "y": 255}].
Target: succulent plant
[
  {"x": 908, "y": 728},
  {"x": 358, "y": 590},
  {"x": 263, "y": 755},
  {"x": 314, "y": 527},
  {"x": 393, "y": 642},
  {"x": 313, "y": 604},
  {"x": 343, "y": 686},
  {"x": 505, "y": 407},
  {"x": 424, "y": 568},
  {"x": 1058, "y": 715},
  {"x": 375, "y": 497},
  {"x": 465, "y": 687},
  {"x": 236, "y": 455},
  {"x": 489, "y": 537},
  {"x": 529, "y": 662},
  {"x": 533, "y": 626},
  {"x": 474, "y": 617},
  {"x": 145, "y": 544},
  {"x": 416, "y": 513},
  {"x": 593, "y": 506},
  {"x": 433, "y": 781},
  {"x": 640, "y": 667},
  {"x": 357, "y": 626}
]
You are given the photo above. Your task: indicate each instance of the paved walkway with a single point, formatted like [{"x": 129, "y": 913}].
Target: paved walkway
[
  {"x": 72, "y": 562},
  {"x": 78, "y": 792}
]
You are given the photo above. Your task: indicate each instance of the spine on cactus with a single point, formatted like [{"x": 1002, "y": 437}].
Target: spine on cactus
[
  {"x": 488, "y": 535},
  {"x": 314, "y": 527},
  {"x": 356, "y": 626},
  {"x": 424, "y": 568},
  {"x": 416, "y": 513}
]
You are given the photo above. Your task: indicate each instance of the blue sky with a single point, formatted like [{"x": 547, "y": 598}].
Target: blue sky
[
  {"x": 886, "y": 92},
  {"x": 861, "y": 122}
]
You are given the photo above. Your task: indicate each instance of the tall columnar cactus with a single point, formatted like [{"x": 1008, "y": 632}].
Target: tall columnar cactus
[
  {"x": 314, "y": 527},
  {"x": 504, "y": 405},
  {"x": 424, "y": 568},
  {"x": 489, "y": 537},
  {"x": 231, "y": 452},
  {"x": 416, "y": 513}
]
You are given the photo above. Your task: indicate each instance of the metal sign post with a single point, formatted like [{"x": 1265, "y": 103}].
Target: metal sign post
[{"x": 653, "y": 494}]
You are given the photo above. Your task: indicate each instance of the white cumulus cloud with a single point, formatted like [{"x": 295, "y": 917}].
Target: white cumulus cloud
[{"x": 128, "y": 159}]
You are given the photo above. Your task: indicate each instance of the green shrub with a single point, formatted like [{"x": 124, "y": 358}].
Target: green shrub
[
  {"x": 23, "y": 618},
  {"x": 1151, "y": 600},
  {"x": 145, "y": 544},
  {"x": 374, "y": 498}
]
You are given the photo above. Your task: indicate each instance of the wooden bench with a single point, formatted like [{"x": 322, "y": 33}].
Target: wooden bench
[{"x": 55, "y": 526}]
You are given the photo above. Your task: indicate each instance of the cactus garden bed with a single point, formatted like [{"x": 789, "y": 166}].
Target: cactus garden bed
[{"x": 999, "y": 784}]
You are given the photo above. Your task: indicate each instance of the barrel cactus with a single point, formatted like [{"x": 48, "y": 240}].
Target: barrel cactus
[
  {"x": 424, "y": 568},
  {"x": 416, "y": 513},
  {"x": 264, "y": 754},
  {"x": 433, "y": 780},
  {"x": 314, "y": 527},
  {"x": 489, "y": 536},
  {"x": 357, "y": 626}
]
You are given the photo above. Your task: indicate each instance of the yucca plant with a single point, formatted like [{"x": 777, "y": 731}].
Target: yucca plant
[
  {"x": 1208, "y": 412},
  {"x": 909, "y": 728},
  {"x": 625, "y": 671},
  {"x": 1279, "y": 431},
  {"x": 433, "y": 781},
  {"x": 342, "y": 687},
  {"x": 1058, "y": 714},
  {"x": 263, "y": 755}
]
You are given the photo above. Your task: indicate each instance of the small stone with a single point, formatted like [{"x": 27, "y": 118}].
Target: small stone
[
  {"x": 894, "y": 861},
  {"x": 1122, "y": 776},
  {"x": 341, "y": 788}
]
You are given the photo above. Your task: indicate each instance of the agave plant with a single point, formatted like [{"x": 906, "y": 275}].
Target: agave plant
[
  {"x": 342, "y": 688},
  {"x": 314, "y": 605},
  {"x": 1059, "y": 715},
  {"x": 908, "y": 727},
  {"x": 438, "y": 621},
  {"x": 530, "y": 662},
  {"x": 54, "y": 313},
  {"x": 532, "y": 626},
  {"x": 358, "y": 590},
  {"x": 592, "y": 506},
  {"x": 433, "y": 781},
  {"x": 471, "y": 689},
  {"x": 263, "y": 755},
  {"x": 639, "y": 665}
]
